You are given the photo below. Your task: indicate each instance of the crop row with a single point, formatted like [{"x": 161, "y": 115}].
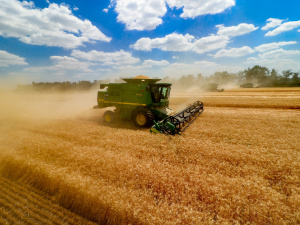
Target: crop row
[{"x": 24, "y": 205}]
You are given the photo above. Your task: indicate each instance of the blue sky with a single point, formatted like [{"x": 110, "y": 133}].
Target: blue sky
[{"x": 72, "y": 40}]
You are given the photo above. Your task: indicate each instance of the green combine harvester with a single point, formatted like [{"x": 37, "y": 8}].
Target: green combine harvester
[{"x": 145, "y": 102}]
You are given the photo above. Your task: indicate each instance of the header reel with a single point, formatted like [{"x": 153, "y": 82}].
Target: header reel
[{"x": 177, "y": 123}]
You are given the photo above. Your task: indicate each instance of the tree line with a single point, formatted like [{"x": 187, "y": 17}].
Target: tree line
[
  {"x": 60, "y": 86},
  {"x": 257, "y": 76}
]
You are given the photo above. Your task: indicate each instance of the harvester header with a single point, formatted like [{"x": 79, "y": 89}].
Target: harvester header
[{"x": 145, "y": 101}]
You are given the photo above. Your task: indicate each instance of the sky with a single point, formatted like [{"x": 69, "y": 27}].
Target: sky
[{"x": 73, "y": 40}]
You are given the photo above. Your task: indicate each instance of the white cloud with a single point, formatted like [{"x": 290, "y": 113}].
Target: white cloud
[
  {"x": 150, "y": 63},
  {"x": 279, "y": 54},
  {"x": 278, "y": 59},
  {"x": 103, "y": 70},
  {"x": 234, "y": 52},
  {"x": 7, "y": 59},
  {"x": 62, "y": 64},
  {"x": 283, "y": 28},
  {"x": 52, "y": 26},
  {"x": 141, "y": 14},
  {"x": 69, "y": 63},
  {"x": 273, "y": 45},
  {"x": 238, "y": 30},
  {"x": 183, "y": 43},
  {"x": 129, "y": 68},
  {"x": 204, "y": 67},
  {"x": 171, "y": 42},
  {"x": 179, "y": 69},
  {"x": 26, "y": 4},
  {"x": 271, "y": 23},
  {"x": 193, "y": 8},
  {"x": 129, "y": 71},
  {"x": 277, "y": 64},
  {"x": 147, "y": 14},
  {"x": 107, "y": 58},
  {"x": 174, "y": 70},
  {"x": 210, "y": 43}
]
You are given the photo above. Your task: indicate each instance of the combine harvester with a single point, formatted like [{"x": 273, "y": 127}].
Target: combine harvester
[{"x": 144, "y": 101}]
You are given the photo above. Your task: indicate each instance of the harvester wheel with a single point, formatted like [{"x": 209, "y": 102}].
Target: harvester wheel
[
  {"x": 109, "y": 116},
  {"x": 143, "y": 117}
]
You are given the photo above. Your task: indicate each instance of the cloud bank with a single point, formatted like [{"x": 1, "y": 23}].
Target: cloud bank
[
  {"x": 52, "y": 26},
  {"x": 147, "y": 14},
  {"x": 183, "y": 43},
  {"x": 8, "y": 59},
  {"x": 280, "y": 27}
]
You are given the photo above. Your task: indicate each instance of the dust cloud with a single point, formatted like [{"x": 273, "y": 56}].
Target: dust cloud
[
  {"x": 41, "y": 107},
  {"x": 31, "y": 107}
]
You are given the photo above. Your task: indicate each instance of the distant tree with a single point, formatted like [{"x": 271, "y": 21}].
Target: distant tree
[
  {"x": 221, "y": 77},
  {"x": 246, "y": 78},
  {"x": 66, "y": 86},
  {"x": 199, "y": 79},
  {"x": 287, "y": 74},
  {"x": 240, "y": 77},
  {"x": 257, "y": 74},
  {"x": 285, "y": 79},
  {"x": 295, "y": 80},
  {"x": 249, "y": 78},
  {"x": 83, "y": 85},
  {"x": 273, "y": 79},
  {"x": 186, "y": 81}
]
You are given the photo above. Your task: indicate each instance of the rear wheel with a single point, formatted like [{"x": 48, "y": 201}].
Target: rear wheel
[
  {"x": 143, "y": 117},
  {"x": 109, "y": 116}
]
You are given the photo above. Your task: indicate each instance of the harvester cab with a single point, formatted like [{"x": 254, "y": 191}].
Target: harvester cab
[{"x": 144, "y": 101}]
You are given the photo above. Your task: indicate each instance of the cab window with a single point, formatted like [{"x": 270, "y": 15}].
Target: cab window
[{"x": 159, "y": 92}]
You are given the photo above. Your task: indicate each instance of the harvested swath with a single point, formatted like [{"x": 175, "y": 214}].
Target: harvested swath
[
  {"x": 254, "y": 98},
  {"x": 24, "y": 205},
  {"x": 265, "y": 89}
]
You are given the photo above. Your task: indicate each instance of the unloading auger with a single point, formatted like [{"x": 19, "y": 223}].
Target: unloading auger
[{"x": 177, "y": 123}]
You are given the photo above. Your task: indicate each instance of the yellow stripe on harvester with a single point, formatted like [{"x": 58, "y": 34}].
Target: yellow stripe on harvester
[{"x": 121, "y": 103}]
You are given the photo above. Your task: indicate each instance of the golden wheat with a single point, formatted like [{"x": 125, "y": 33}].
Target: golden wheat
[
  {"x": 233, "y": 165},
  {"x": 24, "y": 205},
  {"x": 284, "y": 98}
]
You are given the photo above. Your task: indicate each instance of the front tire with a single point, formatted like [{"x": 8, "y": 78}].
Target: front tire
[
  {"x": 109, "y": 116},
  {"x": 143, "y": 117}
]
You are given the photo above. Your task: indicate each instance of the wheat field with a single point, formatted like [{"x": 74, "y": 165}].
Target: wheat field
[
  {"x": 238, "y": 163},
  {"x": 26, "y": 205}
]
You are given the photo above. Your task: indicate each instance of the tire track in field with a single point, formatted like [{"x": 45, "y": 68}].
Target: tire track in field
[{"x": 24, "y": 205}]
